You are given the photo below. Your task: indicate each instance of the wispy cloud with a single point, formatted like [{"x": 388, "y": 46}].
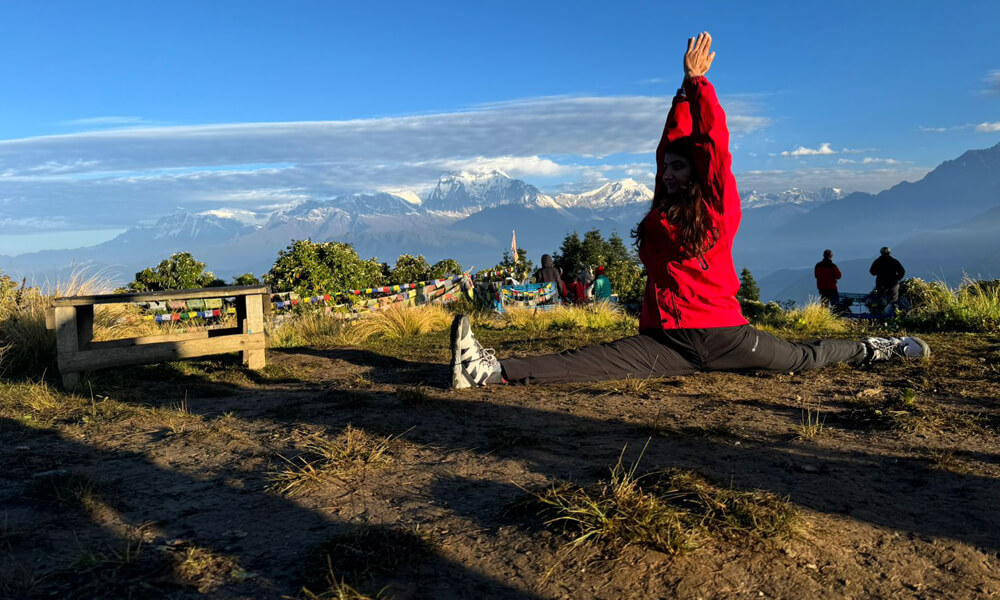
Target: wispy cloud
[
  {"x": 992, "y": 81},
  {"x": 823, "y": 149},
  {"x": 110, "y": 121},
  {"x": 988, "y": 127}
]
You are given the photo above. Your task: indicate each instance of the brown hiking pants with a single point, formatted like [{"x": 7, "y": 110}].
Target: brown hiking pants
[{"x": 681, "y": 352}]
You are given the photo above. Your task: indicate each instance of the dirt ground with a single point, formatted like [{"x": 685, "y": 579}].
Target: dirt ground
[{"x": 896, "y": 482}]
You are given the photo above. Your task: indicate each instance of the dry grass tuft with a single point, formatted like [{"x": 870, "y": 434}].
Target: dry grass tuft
[
  {"x": 207, "y": 570},
  {"x": 413, "y": 394},
  {"x": 670, "y": 511},
  {"x": 348, "y": 457},
  {"x": 398, "y": 321},
  {"x": 362, "y": 556}
]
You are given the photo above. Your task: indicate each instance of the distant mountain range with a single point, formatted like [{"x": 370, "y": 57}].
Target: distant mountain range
[{"x": 937, "y": 226}]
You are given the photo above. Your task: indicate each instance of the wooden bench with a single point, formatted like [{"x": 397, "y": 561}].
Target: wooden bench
[{"x": 73, "y": 320}]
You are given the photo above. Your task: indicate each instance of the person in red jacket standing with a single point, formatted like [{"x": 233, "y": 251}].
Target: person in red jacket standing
[
  {"x": 690, "y": 319},
  {"x": 827, "y": 274}
]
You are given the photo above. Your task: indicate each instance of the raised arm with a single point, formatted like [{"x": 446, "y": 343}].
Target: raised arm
[
  {"x": 678, "y": 125},
  {"x": 708, "y": 120}
]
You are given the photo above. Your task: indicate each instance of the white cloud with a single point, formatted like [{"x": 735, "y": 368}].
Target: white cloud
[
  {"x": 112, "y": 178},
  {"x": 862, "y": 180},
  {"x": 988, "y": 127},
  {"x": 932, "y": 129},
  {"x": 846, "y": 161},
  {"x": 869, "y": 160},
  {"x": 823, "y": 149}
]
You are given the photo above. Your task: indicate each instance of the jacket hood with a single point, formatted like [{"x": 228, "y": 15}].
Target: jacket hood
[{"x": 547, "y": 261}]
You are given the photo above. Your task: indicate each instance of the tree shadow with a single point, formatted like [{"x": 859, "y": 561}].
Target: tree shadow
[{"x": 73, "y": 546}]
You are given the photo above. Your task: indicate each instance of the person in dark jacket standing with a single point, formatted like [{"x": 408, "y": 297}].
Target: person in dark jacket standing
[
  {"x": 827, "y": 274},
  {"x": 690, "y": 319},
  {"x": 888, "y": 273}
]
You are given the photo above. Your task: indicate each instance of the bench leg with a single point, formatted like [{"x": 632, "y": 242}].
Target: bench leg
[
  {"x": 67, "y": 341},
  {"x": 253, "y": 358},
  {"x": 70, "y": 381}
]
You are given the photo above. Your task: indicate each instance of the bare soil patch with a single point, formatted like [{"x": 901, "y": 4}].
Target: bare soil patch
[{"x": 406, "y": 489}]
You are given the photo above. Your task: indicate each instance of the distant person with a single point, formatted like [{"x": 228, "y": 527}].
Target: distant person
[
  {"x": 587, "y": 279},
  {"x": 690, "y": 319},
  {"x": 577, "y": 291},
  {"x": 602, "y": 286},
  {"x": 827, "y": 274},
  {"x": 549, "y": 273},
  {"x": 888, "y": 273}
]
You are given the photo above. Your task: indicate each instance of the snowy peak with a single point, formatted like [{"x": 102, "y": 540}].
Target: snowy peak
[
  {"x": 625, "y": 192},
  {"x": 797, "y": 196},
  {"x": 471, "y": 191},
  {"x": 185, "y": 226}
]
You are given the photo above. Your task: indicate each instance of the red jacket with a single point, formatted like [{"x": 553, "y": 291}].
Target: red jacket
[
  {"x": 694, "y": 293},
  {"x": 826, "y": 274}
]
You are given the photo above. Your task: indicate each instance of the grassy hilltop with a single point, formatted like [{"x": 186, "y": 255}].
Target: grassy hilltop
[{"x": 347, "y": 469}]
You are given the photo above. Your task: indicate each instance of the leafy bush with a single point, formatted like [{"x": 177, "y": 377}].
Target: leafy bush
[
  {"x": 308, "y": 268},
  {"x": 246, "y": 279},
  {"x": 179, "y": 272},
  {"x": 444, "y": 268},
  {"x": 409, "y": 269}
]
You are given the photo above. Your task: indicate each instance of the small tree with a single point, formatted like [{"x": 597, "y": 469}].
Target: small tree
[
  {"x": 246, "y": 279},
  {"x": 748, "y": 287},
  {"x": 307, "y": 268},
  {"x": 179, "y": 272},
  {"x": 445, "y": 268},
  {"x": 522, "y": 267},
  {"x": 409, "y": 269}
]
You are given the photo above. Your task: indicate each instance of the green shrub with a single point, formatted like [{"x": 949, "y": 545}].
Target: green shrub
[
  {"x": 308, "y": 268},
  {"x": 973, "y": 307}
]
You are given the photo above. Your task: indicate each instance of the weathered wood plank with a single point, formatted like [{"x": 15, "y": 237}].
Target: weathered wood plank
[
  {"x": 219, "y": 292},
  {"x": 253, "y": 358},
  {"x": 160, "y": 338},
  {"x": 85, "y": 360}
]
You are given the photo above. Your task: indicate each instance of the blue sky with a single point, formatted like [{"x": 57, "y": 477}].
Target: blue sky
[{"x": 111, "y": 112}]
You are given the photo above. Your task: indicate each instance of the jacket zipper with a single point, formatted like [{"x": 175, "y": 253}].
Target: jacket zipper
[{"x": 673, "y": 300}]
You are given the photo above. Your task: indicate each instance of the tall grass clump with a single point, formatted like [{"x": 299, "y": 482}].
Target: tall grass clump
[
  {"x": 813, "y": 319},
  {"x": 398, "y": 321},
  {"x": 28, "y": 349},
  {"x": 600, "y": 315},
  {"x": 314, "y": 328},
  {"x": 972, "y": 307}
]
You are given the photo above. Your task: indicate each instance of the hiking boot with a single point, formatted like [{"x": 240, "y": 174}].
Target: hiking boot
[
  {"x": 471, "y": 364},
  {"x": 885, "y": 349}
]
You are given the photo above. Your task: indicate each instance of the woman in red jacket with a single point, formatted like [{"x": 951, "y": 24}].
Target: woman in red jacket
[{"x": 690, "y": 318}]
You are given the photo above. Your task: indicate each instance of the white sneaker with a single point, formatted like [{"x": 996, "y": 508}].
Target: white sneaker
[
  {"x": 471, "y": 364},
  {"x": 884, "y": 349}
]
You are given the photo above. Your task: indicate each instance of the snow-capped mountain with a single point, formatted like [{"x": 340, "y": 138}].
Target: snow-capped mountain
[
  {"x": 626, "y": 192},
  {"x": 185, "y": 226},
  {"x": 755, "y": 199},
  {"x": 469, "y": 192}
]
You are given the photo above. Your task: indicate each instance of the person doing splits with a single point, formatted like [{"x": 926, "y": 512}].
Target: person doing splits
[{"x": 690, "y": 319}]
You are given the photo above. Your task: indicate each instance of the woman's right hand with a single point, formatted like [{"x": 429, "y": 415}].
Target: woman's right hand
[{"x": 698, "y": 58}]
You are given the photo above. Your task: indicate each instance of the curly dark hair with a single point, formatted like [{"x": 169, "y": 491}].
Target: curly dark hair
[{"x": 687, "y": 209}]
